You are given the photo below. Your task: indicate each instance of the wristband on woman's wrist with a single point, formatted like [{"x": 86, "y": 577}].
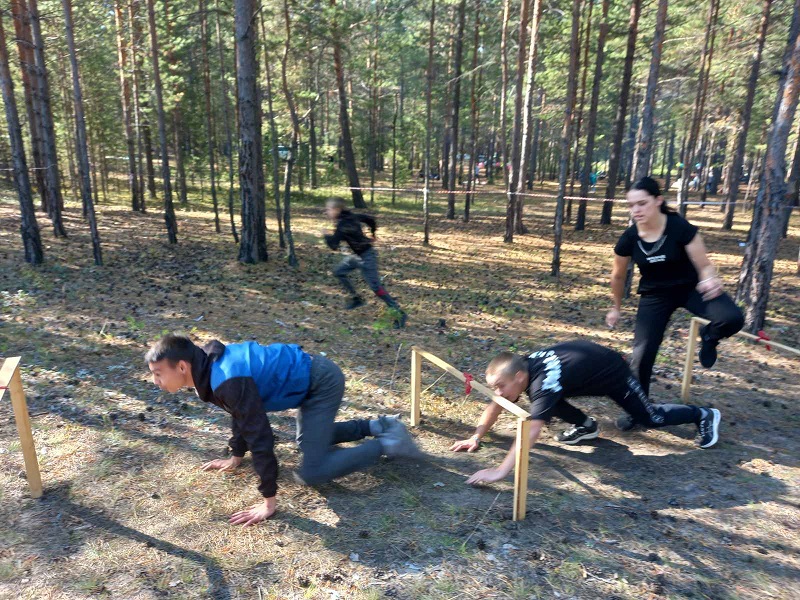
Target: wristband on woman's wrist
[
  {"x": 476, "y": 438},
  {"x": 708, "y": 279}
]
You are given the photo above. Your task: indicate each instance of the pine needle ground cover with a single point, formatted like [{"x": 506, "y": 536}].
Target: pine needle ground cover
[{"x": 127, "y": 513}]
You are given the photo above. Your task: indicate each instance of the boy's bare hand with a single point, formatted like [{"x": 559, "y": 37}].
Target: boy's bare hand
[
  {"x": 256, "y": 513},
  {"x": 223, "y": 464}
]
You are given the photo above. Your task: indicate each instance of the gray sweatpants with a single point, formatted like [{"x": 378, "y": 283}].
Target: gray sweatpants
[
  {"x": 318, "y": 434},
  {"x": 368, "y": 263}
]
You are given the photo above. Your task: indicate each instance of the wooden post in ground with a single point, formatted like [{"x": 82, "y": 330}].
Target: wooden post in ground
[
  {"x": 11, "y": 380},
  {"x": 691, "y": 350},
  {"x": 521, "y": 468},
  {"x": 416, "y": 387}
]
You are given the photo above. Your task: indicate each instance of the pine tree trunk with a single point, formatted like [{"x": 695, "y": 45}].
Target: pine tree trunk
[
  {"x": 591, "y": 128},
  {"x": 210, "y": 133},
  {"x": 646, "y": 134},
  {"x": 670, "y": 158},
  {"x": 81, "y": 145},
  {"x": 615, "y": 155},
  {"x": 772, "y": 202},
  {"x": 125, "y": 100},
  {"x": 344, "y": 117},
  {"x": 52, "y": 178},
  {"x": 135, "y": 38},
  {"x": 566, "y": 130},
  {"x": 760, "y": 169},
  {"x": 581, "y": 103},
  {"x": 516, "y": 140},
  {"x": 504, "y": 92},
  {"x": 455, "y": 110},
  {"x": 31, "y": 241},
  {"x": 700, "y": 99},
  {"x": 535, "y": 152},
  {"x": 226, "y": 117},
  {"x": 287, "y": 199},
  {"x": 735, "y": 169},
  {"x": 475, "y": 78},
  {"x": 428, "y": 126},
  {"x": 273, "y": 137},
  {"x": 169, "y": 211},
  {"x": 253, "y": 247},
  {"x": 22, "y": 27},
  {"x": 523, "y": 152}
]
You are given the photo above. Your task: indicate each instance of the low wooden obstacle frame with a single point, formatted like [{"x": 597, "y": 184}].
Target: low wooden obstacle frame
[
  {"x": 523, "y": 422},
  {"x": 691, "y": 350},
  {"x": 11, "y": 380}
]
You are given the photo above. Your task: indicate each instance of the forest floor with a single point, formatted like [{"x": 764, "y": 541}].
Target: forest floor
[{"x": 127, "y": 513}]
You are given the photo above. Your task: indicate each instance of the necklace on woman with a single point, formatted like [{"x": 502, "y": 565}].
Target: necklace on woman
[{"x": 656, "y": 245}]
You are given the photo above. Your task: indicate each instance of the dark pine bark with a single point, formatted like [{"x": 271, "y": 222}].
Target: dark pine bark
[
  {"x": 695, "y": 138},
  {"x": 455, "y": 109},
  {"x": 81, "y": 145},
  {"x": 253, "y": 247},
  {"x": 210, "y": 133},
  {"x": 344, "y": 117},
  {"x": 563, "y": 167},
  {"x": 644, "y": 148},
  {"x": 591, "y": 127},
  {"x": 615, "y": 156},
  {"x": 226, "y": 117},
  {"x": 516, "y": 140},
  {"x": 524, "y": 151},
  {"x": 31, "y": 241},
  {"x": 429, "y": 75},
  {"x": 474, "y": 114},
  {"x": 42, "y": 104},
  {"x": 169, "y": 210},
  {"x": 287, "y": 182},
  {"x": 125, "y": 101},
  {"x": 273, "y": 139},
  {"x": 772, "y": 202},
  {"x": 735, "y": 169}
]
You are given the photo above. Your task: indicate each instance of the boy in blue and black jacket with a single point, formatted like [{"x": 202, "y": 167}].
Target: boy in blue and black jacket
[
  {"x": 349, "y": 229},
  {"x": 249, "y": 380}
]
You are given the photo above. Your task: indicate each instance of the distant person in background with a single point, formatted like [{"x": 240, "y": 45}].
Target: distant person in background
[
  {"x": 349, "y": 229},
  {"x": 675, "y": 272}
]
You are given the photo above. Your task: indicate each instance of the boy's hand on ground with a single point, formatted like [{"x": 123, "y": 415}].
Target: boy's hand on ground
[
  {"x": 223, "y": 464},
  {"x": 469, "y": 445},
  {"x": 256, "y": 513},
  {"x": 487, "y": 476}
]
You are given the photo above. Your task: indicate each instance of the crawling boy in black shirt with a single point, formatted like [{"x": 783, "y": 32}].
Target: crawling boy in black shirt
[{"x": 567, "y": 370}]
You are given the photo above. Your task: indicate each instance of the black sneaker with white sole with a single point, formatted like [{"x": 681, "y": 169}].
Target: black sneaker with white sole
[
  {"x": 577, "y": 433},
  {"x": 708, "y": 427}
]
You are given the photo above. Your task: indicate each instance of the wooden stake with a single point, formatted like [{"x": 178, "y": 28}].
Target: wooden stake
[
  {"x": 521, "y": 468},
  {"x": 416, "y": 387},
  {"x": 10, "y": 379},
  {"x": 691, "y": 350}
]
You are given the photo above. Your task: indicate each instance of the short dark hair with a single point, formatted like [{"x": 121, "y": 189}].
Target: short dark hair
[
  {"x": 650, "y": 185},
  {"x": 336, "y": 202},
  {"x": 507, "y": 363},
  {"x": 173, "y": 348}
]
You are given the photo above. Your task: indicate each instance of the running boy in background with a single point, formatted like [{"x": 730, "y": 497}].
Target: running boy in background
[{"x": 349, "y": 229}]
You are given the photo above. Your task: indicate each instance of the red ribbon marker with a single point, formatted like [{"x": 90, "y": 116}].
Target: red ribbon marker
[
  {"x": 468, "y": 383},
  {"x": 763, "y": 336}
]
